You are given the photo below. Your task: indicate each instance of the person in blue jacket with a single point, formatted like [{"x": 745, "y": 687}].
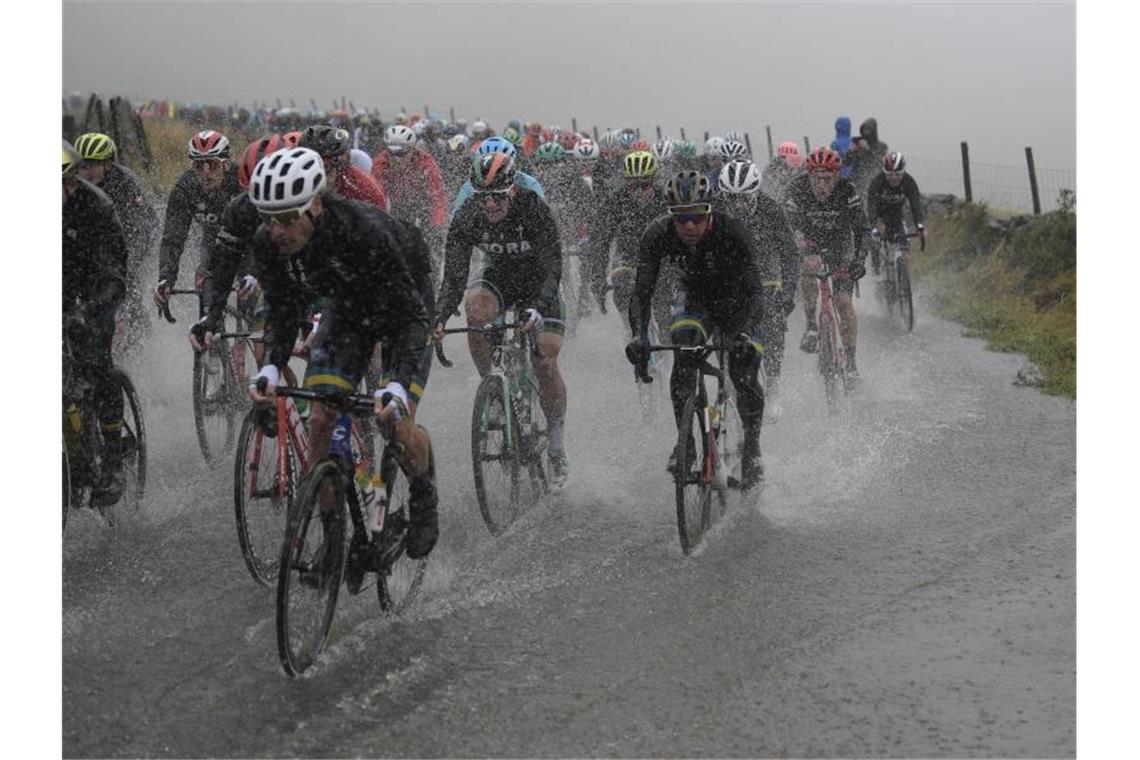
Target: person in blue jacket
[{"x": 842, "y": 143}]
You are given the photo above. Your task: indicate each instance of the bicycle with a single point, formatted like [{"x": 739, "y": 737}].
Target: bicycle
[
  {"x": 84, "y": 447},
  {"x": 896, "y": 276},
  {"x": 829, "y": 343},
  {"x": 316, "y": 550},
  {"x": 508, "y": 428},
  {"x": 714, "y": 425},
  {"x": 219, "y": 381}
]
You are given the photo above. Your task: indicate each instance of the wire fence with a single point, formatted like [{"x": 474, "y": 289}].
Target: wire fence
[{"x": 998, "y": 186}]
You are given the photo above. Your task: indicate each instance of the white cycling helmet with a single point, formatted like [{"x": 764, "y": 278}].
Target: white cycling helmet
[
  {"x": 418, "y": 128},
  {"x": 360, "y": 159},
  {"x": 586, "y": 150},
  {"x": 458, "y": 143},
  {"x": 736, "y": 135},
  {"x": 714, "y": 145},
  {"x": 287, "y": 179},
  {"x": 739, "y": 177},
  {"x": 663, "y": 149},
  {"x": 478, "y": 129},
  {"x": 733, "y": 150},
  {"x": 398, "y": 138},
  {"x": 208, "y": 144}
]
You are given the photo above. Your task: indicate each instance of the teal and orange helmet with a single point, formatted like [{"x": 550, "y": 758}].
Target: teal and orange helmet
[{"x": 492, "y": 171}]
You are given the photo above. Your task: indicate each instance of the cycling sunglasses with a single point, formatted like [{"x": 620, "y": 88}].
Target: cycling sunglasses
[
  {"x": 201, "y": 165},
  {"x": 895, "y": 174},
  {"x": 694, "y": 212},
  {"x": 286, "y": 217},
  {"x": 497, "y": 195}
]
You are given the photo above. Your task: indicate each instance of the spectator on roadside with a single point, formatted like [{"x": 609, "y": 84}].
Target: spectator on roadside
[
  {"x": 865, "y": 158},
  {"x": 842, "y": 143}
]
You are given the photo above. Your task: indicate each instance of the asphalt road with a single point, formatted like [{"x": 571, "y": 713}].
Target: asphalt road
[{"x": 904, "y": 585}]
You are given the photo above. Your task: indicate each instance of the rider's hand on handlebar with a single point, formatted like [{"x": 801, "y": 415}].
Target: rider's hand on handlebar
[
  {"x": 533, "y": 321},
  {"x": 390, "y": 405},
  {"x": 201, "y": 336},
  {"x": 161, "y": 293},
  {"x": 249, "y": 287},
  {"x": 438, "y": 332},
  {"x": 262, "y": 388}
]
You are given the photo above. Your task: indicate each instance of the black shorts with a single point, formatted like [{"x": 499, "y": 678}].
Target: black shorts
[{"x": 518, "y": 292}]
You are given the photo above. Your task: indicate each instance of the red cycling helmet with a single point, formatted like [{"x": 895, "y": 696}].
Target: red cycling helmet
[
  {"x": 894, "y": 162},
  {"x": 788, "y": 148},
  {"x": 568, "y": 140},
  {"x": 254, "y": 152},
  {"x": 292, "y": 139},
  {"x": 208, "y": 144},
  {"x": 823, "y": 160},
  {"x": 639, "y": 145}
]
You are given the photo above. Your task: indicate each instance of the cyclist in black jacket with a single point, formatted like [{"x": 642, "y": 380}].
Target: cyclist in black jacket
[
  {"x": 518, "y": 238},
  {"x": 779, "y": 262},
  {"x": 136, "y": 214},
  {"x": 94, "y": 283},
  {"x": 829, "y": 213},
  {"x": 200, "y": 195},
  {"x": 719, "y": 289},
  {"x": 351, "y": 260},
  {"x": 889, "y": 191}
]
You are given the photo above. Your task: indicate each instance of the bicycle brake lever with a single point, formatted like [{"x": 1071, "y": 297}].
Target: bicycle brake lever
[
  {"x": 443, "y": 360},
  {"x": 164, "y": 312}
]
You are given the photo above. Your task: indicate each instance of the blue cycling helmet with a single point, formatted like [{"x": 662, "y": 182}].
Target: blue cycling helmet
[{"x": 497, "y": 145}]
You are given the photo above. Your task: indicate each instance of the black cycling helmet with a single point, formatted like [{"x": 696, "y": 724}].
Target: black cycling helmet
[
  {"x": 688, "y": 187},
  {"x": 328, "y": 141}
]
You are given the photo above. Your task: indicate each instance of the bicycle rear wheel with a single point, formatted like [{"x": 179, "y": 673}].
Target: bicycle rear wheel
[
  {"x": 262, "y": 502},
  {"x": 216, "y": 405},
  {"x": 693, "y": 477},
  {"x": 66, "y": 487},
  {"x": 400, "y": 577},
  {"x": 906, "y": 299},
  {"x": 311, "y": 569},
  {"x": 495, "y": 456}
]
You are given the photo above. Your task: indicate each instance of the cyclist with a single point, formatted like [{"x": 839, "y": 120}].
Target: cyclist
[
  {"x": 351, "y": 182},
  {"x": 352, "y": 260},
  {"x": 522, "y": 269},
  {"x": 889, "y": 191},
  {"x": 522, "y": 179},
  {"x": 200, "y": 195},
  {"x": 829, "y": 214},
  {"x": 719, "y": 289},
  {"x": 778, "y": 262},
  {"x": 94, "y": 283},
  {"x": 135, "y": 210},
  {"x": 780, "y": 171},
  {"x": 414, "y": 183}
]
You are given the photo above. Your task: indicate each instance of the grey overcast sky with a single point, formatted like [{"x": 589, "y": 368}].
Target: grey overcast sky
[{"x": 999, "y": 75}]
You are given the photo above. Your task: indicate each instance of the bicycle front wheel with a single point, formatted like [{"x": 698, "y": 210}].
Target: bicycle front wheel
[
  {"x": 311, "y": 568},
  {"x": 263, "y": 496},
  {"x": 216, "y": 408},
  {"x": 495, "y": 455},
  {"x": 906, "y": 299},
  {"x": 400, "y": 577},
  {"x": 828, "y": 362},
  {"x": 693, "y": 476},
  {"x": 134, "y": 443}
]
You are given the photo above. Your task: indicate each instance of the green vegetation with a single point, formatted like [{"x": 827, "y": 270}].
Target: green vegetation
[{"x": 1012, "y": 282}]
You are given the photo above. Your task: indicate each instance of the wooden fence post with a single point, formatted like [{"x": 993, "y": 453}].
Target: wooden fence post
[
  {"x": 706, "y": 135},
  {"x": 748, "y": 143},
  {"x": 966, "y": 172},
  {"x": 573, "y": 125},
  {"x": 807, "y": 145},
  {"x": 1033, "y": 181},
  {"x": 771, "y": 153},
  {"x": 595, "y": 133},
  {"x": 451, "y": 111},
  {"x": 658, "y": 131},
  {"x": 683, "y": 133}
]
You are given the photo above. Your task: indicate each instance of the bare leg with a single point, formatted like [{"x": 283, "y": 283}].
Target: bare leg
[{"x": 482, "y": 307}]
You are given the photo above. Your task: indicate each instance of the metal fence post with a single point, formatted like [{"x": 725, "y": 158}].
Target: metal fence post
[
  {"x": 1033, "y": 181},
  {"x": 966, "y": 172},
  {"x": 683, "y": 133},
  {"x": 807, "y": 145},
  {"x": 658, "y": 131},
  {"x": 771, "y": 153}
]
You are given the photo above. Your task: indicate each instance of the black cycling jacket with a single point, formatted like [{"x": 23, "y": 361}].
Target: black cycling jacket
[
  {"x": 525, "y": 244},
  {"x": 772, "y": 237},
  {"x": 356, "y": 260},
  {"x": 94, "y": 251},
  {"x": 720, "y": 272},
  {"x": 886, "y": 202},
  {"x": 187, "y": 203},
  {"x": 619, "y": 217},
  {"x": 838, "y": 225},
  {"x": 132, "y": 203}
]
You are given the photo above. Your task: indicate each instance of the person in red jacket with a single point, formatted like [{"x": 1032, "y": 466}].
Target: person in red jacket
[
  {"x": 348, "y": 181},
  {"x": 413, "y": 182}
]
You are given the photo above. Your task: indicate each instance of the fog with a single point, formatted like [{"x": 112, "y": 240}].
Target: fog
[{"x": 1001, "y": 76}]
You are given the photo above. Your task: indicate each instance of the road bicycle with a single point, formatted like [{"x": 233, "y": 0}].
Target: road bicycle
[
  {"x": 896, "y": 276},
  {"x": 342, "y": 491},
  {"x": 508, "y": 428},
  {"x": 708, "y": 444},
  {"x": 829, "y": 343},
  {"x": 84, "y": 452},
  {"x": 220, "y": 377}
]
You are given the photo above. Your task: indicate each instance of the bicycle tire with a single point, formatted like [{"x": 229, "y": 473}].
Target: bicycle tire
[
  {"x": 906, "y": 298},
  {"x": 66, "y": 488},
  {"x": 260, "y": 527},
  {"x": 828, "y": 363},
  {"x": 216, "y": 406},
  {"x": 531, "y": 424},
  {"x": 135, "y": 445},
  {"x": 693, "y": 491},
  {"x": 311, "y": 569},
  {"x": 496, "y": 464},
  {"x": 399, "y": 580}
]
